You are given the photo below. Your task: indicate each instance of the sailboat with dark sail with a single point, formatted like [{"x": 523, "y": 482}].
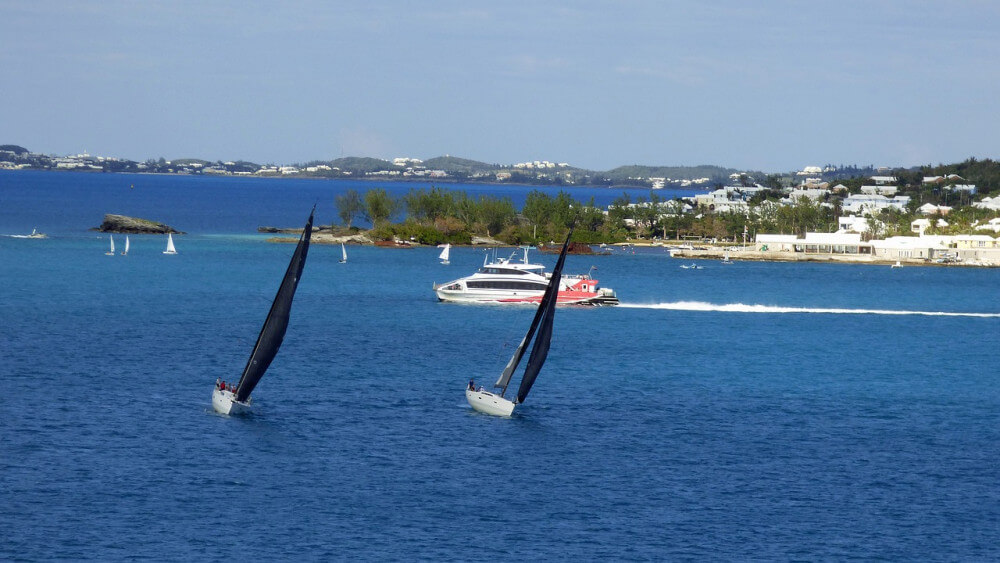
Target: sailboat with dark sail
[
  {"x": 228, "y": 399},
  {"x": 541, "y": 329}
]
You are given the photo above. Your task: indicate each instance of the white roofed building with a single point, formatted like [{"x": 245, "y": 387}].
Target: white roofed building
[
  {"x": 873, "y": 203},
  {"x": 852, "y": 224},
  {"x": 991, "y": 225},
  {"x": 931, "y": 209},
  {"x": 813, "y": 243},
  {"x": 882, "y": 180},
  {"x": 921, "y": 225},
  {"x": 988, "y": 203},
  {"x": 880, "y": 189}
]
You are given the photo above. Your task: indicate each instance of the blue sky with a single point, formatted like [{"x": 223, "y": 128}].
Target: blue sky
[{"x": 770, "y": 86}]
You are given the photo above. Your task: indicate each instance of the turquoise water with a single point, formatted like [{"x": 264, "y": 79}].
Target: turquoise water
[{"x": 745, "y": 411}]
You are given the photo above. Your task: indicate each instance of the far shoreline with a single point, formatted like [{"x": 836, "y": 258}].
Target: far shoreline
[{"x": 674, "y": 248}]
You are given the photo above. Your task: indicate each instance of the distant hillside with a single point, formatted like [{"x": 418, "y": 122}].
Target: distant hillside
[
  {"x": 362, "y": 164},
  {"x": 453, "y": 163},
  {"x": 14, "y": 149},
  {"x": 672, "y": 172}
]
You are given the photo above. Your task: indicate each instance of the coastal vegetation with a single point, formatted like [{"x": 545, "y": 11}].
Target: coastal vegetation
[{"x": 438, "y": 215}]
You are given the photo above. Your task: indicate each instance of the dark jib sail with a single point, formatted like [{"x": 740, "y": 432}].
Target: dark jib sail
[
  {"x": 547, "y": 309},
  {"x": 273, "y": 331}
]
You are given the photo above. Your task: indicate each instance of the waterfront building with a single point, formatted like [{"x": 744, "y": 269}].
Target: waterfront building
[{"x": 814, "y": 243}]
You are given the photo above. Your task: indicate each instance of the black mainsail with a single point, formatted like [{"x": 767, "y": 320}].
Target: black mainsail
[
  {"x": 542, "y": 324},
  {"x": 273, "y": 331}
]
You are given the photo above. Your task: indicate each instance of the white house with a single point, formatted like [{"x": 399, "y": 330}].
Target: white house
[
  {"x": 988, "y": 203},
  {"x": 852, "y": 224},
  {"x": 880, "y": 189},
  {"x": 921, "y": 225},
  {"x": 931, "y": 209},
  {"x": 873, "y": 203},
  {"x": 968, "y": 188},
  {"x": 812, "y": 194},
  {"x": 730, "y": 198},
  {"x": 880, "y": 180},
  {"x": 812, "y": 243},
  {"x": 991, "y": 225},
  {"x": 896, "y": 248}
]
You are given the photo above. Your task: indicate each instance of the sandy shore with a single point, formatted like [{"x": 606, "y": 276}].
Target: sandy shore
[{"x": 768, "y": 256}]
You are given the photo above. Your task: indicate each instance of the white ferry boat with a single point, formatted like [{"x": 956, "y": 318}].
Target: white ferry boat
[{"x": 505, "y": 281}]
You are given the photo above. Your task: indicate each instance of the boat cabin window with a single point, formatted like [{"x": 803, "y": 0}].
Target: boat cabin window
[
  {"x": 503, "y": 284},
  {"x": 504, "y": 271}
]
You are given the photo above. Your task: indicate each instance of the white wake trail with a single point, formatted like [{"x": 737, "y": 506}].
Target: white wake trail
[{"x": 742, "y": 308}]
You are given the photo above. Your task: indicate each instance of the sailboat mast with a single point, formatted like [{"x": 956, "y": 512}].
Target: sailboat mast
[
  {"x": 545, "y": 308},
  {"x": 540, "y": 350}
]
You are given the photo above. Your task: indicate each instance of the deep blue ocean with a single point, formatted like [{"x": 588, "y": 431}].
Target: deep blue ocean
[{"x": 753, "y": 411}]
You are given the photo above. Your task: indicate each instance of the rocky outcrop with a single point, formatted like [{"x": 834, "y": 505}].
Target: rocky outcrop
[
  {"x": 487, "y": 241},
  {"x": 574, "y": 248},
  {"x": 292, "y": 231},
  {"x": 134, "y": 225}
]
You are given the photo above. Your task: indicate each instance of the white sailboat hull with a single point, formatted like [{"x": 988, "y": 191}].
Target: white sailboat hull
[
  {"x": 224, "y": 402},
  {"x": 488, "y": 403}
]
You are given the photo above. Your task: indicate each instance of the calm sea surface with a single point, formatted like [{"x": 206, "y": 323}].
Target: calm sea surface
[{"x": 745, "y": 411}]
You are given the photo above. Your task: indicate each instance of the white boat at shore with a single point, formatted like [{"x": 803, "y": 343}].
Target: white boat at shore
[{"x": 504, "y": 280}]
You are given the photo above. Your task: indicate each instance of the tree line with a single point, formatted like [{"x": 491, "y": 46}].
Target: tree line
[{"x": 436, "y": 216}]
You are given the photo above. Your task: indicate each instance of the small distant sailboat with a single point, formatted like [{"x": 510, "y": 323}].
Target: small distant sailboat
[
  {"x": 228, "y": 399},
  {"x": 445, "y": 254},
  {"x": 112, "y": 251},
  {"x": 170, "y": 245},
  {"x": 725, "y": 259},
  {"x": 495, "y": 404},
  {"x": 125, "y": 252},
  {"x": 343, "y": 252}
]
